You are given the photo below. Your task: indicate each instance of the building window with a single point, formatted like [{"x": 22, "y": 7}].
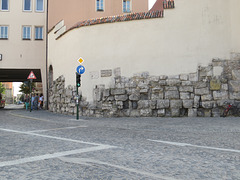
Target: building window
[
  {"x": 39, "y": 5},
  {"x": 126, "y": 6},
  {"x": 38, "y": 33},
  {"x": 3, "y": 32},
  {"x": 27, "y": 5},
  {"x": 5, "y": 5},
  {"x": 100, "y": 5},
  {"x": 26, "y": 33}
]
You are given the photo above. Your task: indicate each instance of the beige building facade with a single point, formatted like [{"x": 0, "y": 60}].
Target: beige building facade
[
  {"x": 188, "y": 36},
  {"x": 78, "y": 10},
  {"x": 23, "y": 40}
]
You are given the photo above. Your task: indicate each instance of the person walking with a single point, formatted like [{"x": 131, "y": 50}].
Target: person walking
[
  {"x": 41, "y": 98},
  {"x": 32, "y": 102},
  {"x": 35, "y": 102},
  {"x": 27, "y": 100}
]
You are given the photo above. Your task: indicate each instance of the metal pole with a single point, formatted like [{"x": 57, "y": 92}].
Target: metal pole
[
  {"x": 77, "y": 101},
  {"x": 77, "y": 105},
  {"x": 47, "y": 82},
  {"x": 31, "y": 95}
]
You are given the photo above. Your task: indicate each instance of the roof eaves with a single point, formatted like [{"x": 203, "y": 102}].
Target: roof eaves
[{"x": 119, "y": 18}]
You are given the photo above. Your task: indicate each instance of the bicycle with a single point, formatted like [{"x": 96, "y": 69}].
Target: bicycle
[{"x": 234, "y": 108}]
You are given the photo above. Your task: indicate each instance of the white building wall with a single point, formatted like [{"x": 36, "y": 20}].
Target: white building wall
[
  {"x": 18, "y": 53},
  {"x": 190, "y": 35}
]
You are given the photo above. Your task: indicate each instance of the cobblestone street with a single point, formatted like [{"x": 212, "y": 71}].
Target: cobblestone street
[{"x": 40, "y": 145}]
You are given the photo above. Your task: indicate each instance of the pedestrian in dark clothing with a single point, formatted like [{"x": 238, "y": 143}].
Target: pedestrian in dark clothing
[{"x": 35, "y": 102}]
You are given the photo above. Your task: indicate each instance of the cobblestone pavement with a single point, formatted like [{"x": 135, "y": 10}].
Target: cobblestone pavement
[{"x": 40, "y": 145}]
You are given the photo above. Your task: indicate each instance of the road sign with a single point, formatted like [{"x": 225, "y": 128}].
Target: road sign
[
  {"x": 80, "y": 60},
  {"x": 31, "y": 75},
  {"x": 80, "y": 69}
]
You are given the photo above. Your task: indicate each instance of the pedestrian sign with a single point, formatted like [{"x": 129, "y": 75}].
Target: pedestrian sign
[{"x": 31, "y": 75}]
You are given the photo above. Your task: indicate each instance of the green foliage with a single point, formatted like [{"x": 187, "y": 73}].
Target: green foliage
[
  {"x": 25, "y": 87},
  {"x": 2, "y": 89}
]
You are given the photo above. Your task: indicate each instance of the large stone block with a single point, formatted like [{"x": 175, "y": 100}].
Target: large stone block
[
  {"x": 171, "y": 88},
  {"x": 186, "y": 88},
  {"x": 201, "y": 84},
  {"x": 205, "y": 71},
  {"x": 207, "y": 97},
  {"x": 154, "y": 78},
  {"x": 236, "y": 75},
  {"x": 163, "y": 103},
  {"x": 217, "y": 71},
  {"x": 144, "y": 90},
  {"x": 224, "y": 87},
  {"x": 143, "y": 104},
  {"x": 156, "y": 96},
  {"x": 123, "y": 97},
  {"x": 97, "y": 94},
  {"x": 131, "y": 84},
  {"x": 163, "y": 77},
  {"x": 119, "y": 104},
  {"x": 207, "y": 112},
  {"x": 162, "y": 82},
  {"x": 118, "y": 91},
  {"x": 193, "y": 77},
  {"x": 157, "y": 89},
  {"x": 202, "y": 91},
  {"x": 192, "y": 112},
  {"x": 175, "y": 112},
  {"x": 161, "y": 112},
  {"x": 174, "y": 82},
  {"x": 134, "y": 113},
  {"x": 106, "y": 92},
  {"x": 234, "y": 86},
  {"x": 184, "y": 77},
  {"x": 68, "y": 92},
  {"x": 234, "y": 95},
  {"x": 172, "y": 95},
  {"x": 196, "y": 101},
  {"x": 176, "y": 104},
  {"x": 215, "y": 85},
  {"x": 216, "y": 112},
  {"x": 217, "y": 95},
  {"x": 187, "y": 83},
  {"x": 185, "y": 95},
  {"x": 207, "y": 104},
  {"x": 134, "y": 97},
  {"x": 188, "y": 103},
  {"x": 145, "y": 112}
]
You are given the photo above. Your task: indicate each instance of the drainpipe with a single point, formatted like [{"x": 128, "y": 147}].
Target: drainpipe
[{"x": 47, "y": 88}]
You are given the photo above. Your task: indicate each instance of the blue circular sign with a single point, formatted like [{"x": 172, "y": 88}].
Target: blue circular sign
[{"x": 80, "y": 69}]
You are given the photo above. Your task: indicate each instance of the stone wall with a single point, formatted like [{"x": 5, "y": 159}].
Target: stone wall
[{"x": 201, "y": 93}]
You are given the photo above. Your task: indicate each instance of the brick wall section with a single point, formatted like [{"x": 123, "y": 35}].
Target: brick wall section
[{"x": 201, "y": 93}]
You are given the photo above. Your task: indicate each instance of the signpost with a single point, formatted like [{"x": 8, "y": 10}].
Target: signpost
[
  {"x": 31, "y": 76},
  {"x": 80, "y": 70}
]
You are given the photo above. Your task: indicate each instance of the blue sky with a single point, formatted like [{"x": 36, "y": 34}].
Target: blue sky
[{"x": 151, "y": 3}]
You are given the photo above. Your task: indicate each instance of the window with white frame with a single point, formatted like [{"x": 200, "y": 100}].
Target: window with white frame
[
  {"x": 3, "y": 32},
  {"x": 38, "y": 33},
  {"x": 126, "y": 6},
  {"x": 27, "y": 5},
  {"x": 39, "y": 5},
  {"x": 5, "y": 5},
  {"x": 100, "y": 5},
  {"x": 26, "y": 32}
]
